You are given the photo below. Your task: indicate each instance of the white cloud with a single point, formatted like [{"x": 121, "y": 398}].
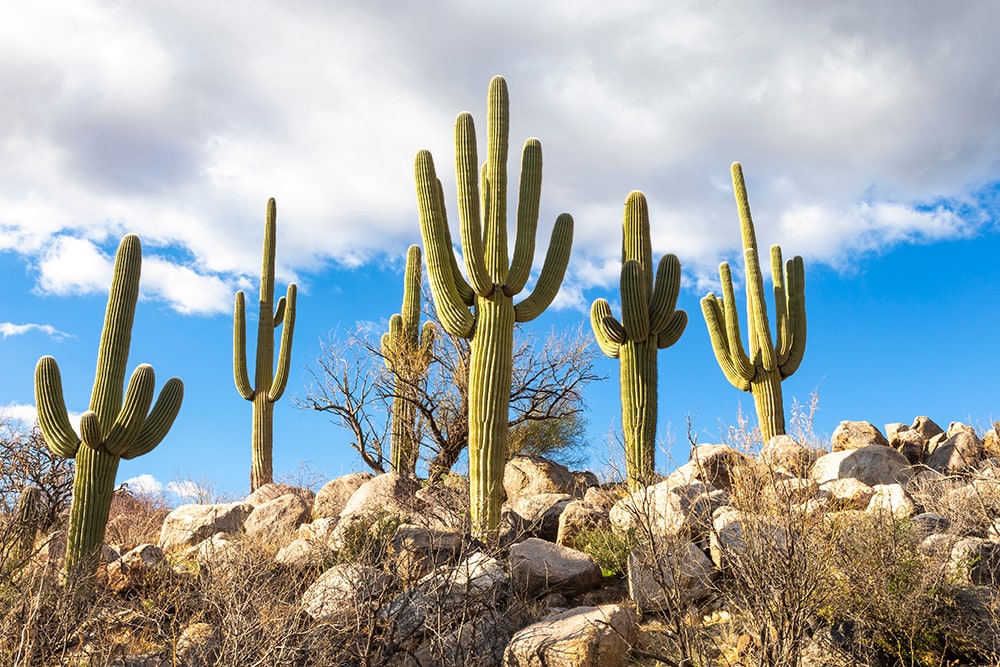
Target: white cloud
[
  {"x": 145, "y": 484},
  {"x": 25, "y": 414},
  {"x": 11, "y": 329},
  {"x": 187, "y": 291}
]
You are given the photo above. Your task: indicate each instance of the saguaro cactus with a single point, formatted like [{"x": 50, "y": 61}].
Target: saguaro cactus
[
  {"x": 768, "y": 364},
  {"x": 482, "y": 204},
  {"x": 407, "y": 352},
  {"x": 269, "y": 384},
  {"x": 27, "y": 516},
  {"x": 112, "y": 429},
  {"x": 649, "y": 323}
]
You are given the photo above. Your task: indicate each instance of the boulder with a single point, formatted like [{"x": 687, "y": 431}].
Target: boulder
[
  {"x": 198, "y": 645},
  {"x": 345, "y": 592},
  {"x": 991, "y": 442},
  {"x": 717, "y": 465},
  {"x": 531, "y": 475},
  {"x": 188, "y": 525},
  {"x": 537, "y": 566},
  {"x": 847, "y": 494},
  {"x": 874, "y": 464},
  {"x": 906, "y": 440},
  {"x": 783, "y": 453},
  {"x": 668, "y": 577},
  {"x": 332, "y": 498},
  {"x": 480, "y": 642},
  {"x": 580, "y": 517},
  {"x": 603, "y": 498},
  {"x": 387, "y": 494},
  {"x": 855, "y": 435},
  {"x": 930, "y": 523},
  {"x": 319, "y": 530},
  {"x": 926, "y": 427},
  {"x": 581, "y": 637},
  {"x": 977, "y": 561},
  {"x": 134, "y": 568},
  {"x": 446, "y": 506},
  {"x": 274, "y": 522},
  {"x": 303, "y": 553},
  {"x": 665, "y": 509},
  {"x": 891, "y": 500},
  {"x": 477, "y": 576},
  {"x": 416, "y": 550},
  {"x": 541, "y": 513},
  {"x": 271, "y": 491},
  {"x": 960, "y": 450}
]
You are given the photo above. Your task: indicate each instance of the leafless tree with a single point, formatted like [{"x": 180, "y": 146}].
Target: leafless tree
[{"x": 25, "y": 460}]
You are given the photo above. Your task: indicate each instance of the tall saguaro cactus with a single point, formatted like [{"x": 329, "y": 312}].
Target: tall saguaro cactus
[
  {"x": 407, "y": 350},
  {"x": 268, "y": 384},
  {"x": 112, "y": 429},
  {"x": 762, "y": 371},
  {"x": 493, "y": 281},
  {"x": 649, "y": 323}
]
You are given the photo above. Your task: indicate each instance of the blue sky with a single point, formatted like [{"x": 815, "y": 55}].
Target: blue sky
[{"x": 867, "y": 133}]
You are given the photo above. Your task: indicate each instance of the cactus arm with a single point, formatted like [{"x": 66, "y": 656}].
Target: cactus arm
[
  {"x": 553, "y": 270},
  {"x": 279, "y": 312},
  {"x": 130, "y": 420},
  {"x": 410, "y": 311},
  {"x": 529, "y": 199},
  {"x": 90, "y": 430},
  {"x": 761, "y": 345},
  {"x": 451, "y": 308},
  {"x": 495, "y": 220},
  {"x": 465, "y": 291},
  {"x": 428, "y": 334},
  {"x": 737, "y": 354},
  {"x": 796, "y": 315},
  {"x": 635, "y": 301},
  {"x": 159, "y": 420},
  {"x": 608, "y": 339},
  {"x": 665, "y": 292},
  {"x": 53, "y": 419},
  {"x": 781, "y": 323},
  {"x": 636, "y": 241},
  {"x": 747, "y": 232},
  {"x": 240, "y": 369},
  {"x": 719, "y": 335},
  {"x": 280, "y": 380},
  {"x": 673, "y": 330},
  {"x": 467, "y": 173}
]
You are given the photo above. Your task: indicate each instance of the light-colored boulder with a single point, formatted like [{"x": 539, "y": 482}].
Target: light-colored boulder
[
  {"x": 603, "y": 498},
  {"x": 960, "y": 450},
  {"x": 188, "y": 525},
  {"x": 477, "y": 575},
  {"x": 855, "y": 435},
  {"x": 416, "y": 550},
  {"x": 874, "y": 464},
  {"x": 198, "y": 645},
  {"x": 387, "y": 494},
  {"x": 220, "y": 551},
  {"x": 891, "y": 500},
  {"x": 303, "y": 554},
  {"x": 537, "y": 566},
  {"x": 717, "y": 465},
  {"x": 991, "y": 442},
  {"x": 531, "y": 475},
  {"x": 977, "y": 561},
  {"x": 926, "y": 427},
  {"x": 445, "y": 506},
  {"x": 906, "y": 440},
  {"x": 332, "y": 498},
  {"x": 847, "y": 494},
  {"x": 782, "y": 453},
  {"x": 135, "y": 567},
  {"x": 578, "y": 518},
  {"x": 319, "y": 530},
  {"x": 345, "y": 592},
  {"x": 665, "y": 509},
  {"x": 662, "y": 577},
  {"x": 274, "y": 522},
  {"x": 273, "y": 490},
  {"x": 541, "y": 511},
  {"x": 581, "y": 637}
]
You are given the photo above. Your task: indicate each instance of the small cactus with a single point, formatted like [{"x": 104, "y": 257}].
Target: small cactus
[
  {"x": 649, "y": 323},
  {"x": 27, "y": 516},
  {"x": 113, "y": 428},
  {"x": 768, "y": 363},
  {"x": 269, "y": 384},
  {"x": 483, "y": 308},
  {"x": 406, "y": 349}
]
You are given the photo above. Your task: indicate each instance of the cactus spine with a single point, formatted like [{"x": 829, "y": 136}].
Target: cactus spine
[
  {"x": 112, "y": 429},
  {"x": 482, "y": 203},
  {"x": 649, "y": 323},
  {"x": 269, "y": 384},
  {"x": 768, "y": 364},
  {"x": 407, "y": 351}
]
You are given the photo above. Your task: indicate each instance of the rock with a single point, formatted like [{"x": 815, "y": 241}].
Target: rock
[
  {"x": 388, "y": 494},
  {"x": 891, "y": 500},
  {"x": 847, "y": 494},
  {"x": 793, "y": 490},
  {"x": 332, "y": 498},
  {"x": 345, "y": 592},
  {"x": 320, "y": 530},
  {"x": 906, "y": 440},
  {"x": 580, "y": 517},
  {"x": 874, "y": 464},
  {"x": 585, "y": 480},
  {"x": 783, "y": 454},
  {"x": 855, "y": 435},
  {"x": 480, "y": 642},
  {"x": 716, "y": 465},
  {"x": 303, "y": 553},
  {"x": 930, "y": 523},
  {"x": 198, "y": 645},
  {"x": 274, "y": 522},
  {"x": 581, "y": 637},
  {"x": 960, "y": 450},
  {"x": 218, "y": 551},
  {"x": 537, "y": 566},
  {"x": 478, "y": 576},
  {"x": 417, "y": 550},
  {"x": 134, "y": 568},
  {"x": 926, "y": 427},
  {"x": 977, "y": 561},
  {"x": 541, "y": 512},
  {"x": 602, "y": 498},
  {"x": 991, "y": 442},
  {"x": 188, "y": 525},
  {"x": 665, "y": 509},
  {"x": 446, "y": 506},
  {"x": 272, "y": 491},
  {"x": 668, "y": 578},
  {"x": 531, "y": 475}
]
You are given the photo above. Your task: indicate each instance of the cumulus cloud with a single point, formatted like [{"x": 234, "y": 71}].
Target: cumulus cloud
[
  {"x": 25, "y": 414},
  {"x": 860, "y": 126},
  {"x": 11, "y": 329},
  {"x": 145, "y": 484}
]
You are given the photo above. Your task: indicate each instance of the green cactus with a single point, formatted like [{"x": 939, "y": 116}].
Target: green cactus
[
  {"x": 649, "y": 323},
  {"x": 768, "y": 364},
  {"x": 27, "y": 516},
  {"x": 482, "y": 203},
  {"x": 112, "y": 429},
  {"x": 269, "y": 384},
  {"x": 407, "y": 351}
]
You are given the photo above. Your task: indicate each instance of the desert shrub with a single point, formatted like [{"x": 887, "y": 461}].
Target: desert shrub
[
  {"x": 608, "y": 549},
  {"x": 25, "y": 460}
]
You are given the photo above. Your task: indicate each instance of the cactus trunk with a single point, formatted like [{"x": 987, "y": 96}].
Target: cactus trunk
[
  {"x": 93, "y": 487},
  {"x": 637, "y": 362},
  {"x": 261, "y": 454},
  {"x": 489, "y": 400},
  {"x": 766, "y": 391}
]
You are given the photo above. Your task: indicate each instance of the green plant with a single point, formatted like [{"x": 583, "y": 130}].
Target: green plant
[
  {"x": 649, "y": 323},
  {"x": 407, "y": 353},
  {"x": 492, "y": 284},
  {"x": 608, "y": 549},
  {"x": 26, "y": 520},
  {"x": 768, "y": 363},
  {"x": 112, "y": 429},
  {"x": 269, "y": 384}
]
